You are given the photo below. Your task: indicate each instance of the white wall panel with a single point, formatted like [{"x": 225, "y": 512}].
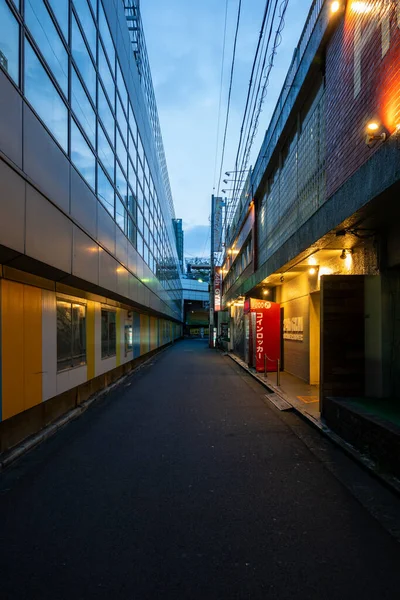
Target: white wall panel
[
  {"x": 108, "y": 271},
  {"x": 121, "y": 246},
  {"x": 67, "y": 380},
  {"x": 106, "y": 364},
  {"x": 48, "y": 232},
  {"x": 105, "y": 229},
  {"x": 85, "y": 258},
  {"x": 83, "y": 204},
  {"x": 49, "y": 345},
  {"x": 10, "y": 120},
  {"x": 44, "y": 161}
]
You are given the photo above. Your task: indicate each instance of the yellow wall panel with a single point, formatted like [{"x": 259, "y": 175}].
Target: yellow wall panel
[
  {"x": 144, "y": 334},
  {"x": 90, "y": 339},
  {"x": 32, "y": 346},
  {"x": 12, "y": 348}
]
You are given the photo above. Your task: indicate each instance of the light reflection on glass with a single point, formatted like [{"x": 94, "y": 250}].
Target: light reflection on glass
[
  {"x": 82, "y": 156},
  {"x": 44, "y": 97}
]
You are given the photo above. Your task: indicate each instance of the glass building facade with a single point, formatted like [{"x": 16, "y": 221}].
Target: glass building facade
[{"x": 62, "y": 55}]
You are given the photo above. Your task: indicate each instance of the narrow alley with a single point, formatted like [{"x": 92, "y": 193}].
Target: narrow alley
[{"x": 183, "y": 483}]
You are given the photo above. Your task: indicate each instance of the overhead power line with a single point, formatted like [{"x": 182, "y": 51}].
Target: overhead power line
[
  {"x": 229, "y": 93},
  {"x": 220, "y": 92}
]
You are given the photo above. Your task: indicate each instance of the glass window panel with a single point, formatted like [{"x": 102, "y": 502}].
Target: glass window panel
[
  {"x": 140, "y": 220},
  {"x": 122, "y": 88},
  {"x": 131, "y": 203},
  {"x": 146, "y": 211},
  {"x": 140, "y": 195},
  {"x": 82, "y": 108},
  {"x": 120, "y": 214},
  {"x": 140, "y": 149},
  {"x": 71, "y": 334},
  {"x": 108, "y": 333},
  {"x": 82, "y": 156},
  {"x": 121, "y": 152},
  {"x": 44, "y": 97},
  {"x": 105, "y": 191},
  {"x": 132, "y": 123},
  {"x": 106, "y": 36},
  {"x": 94, "y": 6},
  {"x": 132, "y": 177},
  {"x": 106, "y": 76},
  {"x": 9, "y": 42},
  {"x": 43, "y": 30},
  {"x": 64, "y": 332},
  {"x": 83, "y": 60},
  {"x": 17, "y": 3},
  {"x": 60, "y": 10},
  {"x": 78, "y": 334},
  {"x": 105, "y": 151},
  {"x": 131, "y": 232},
  {"x": 106, "y": 115},
  {"x": 88, "y": 26},
  {"x": 139, "y": 244},
  {"x": 120, "y": 182},
  {"x": 146, "y": 254},
  {"x": 122, "y": 122}
]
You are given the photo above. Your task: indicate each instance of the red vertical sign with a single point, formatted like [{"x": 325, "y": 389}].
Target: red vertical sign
[{"x": 267, "y": 333}]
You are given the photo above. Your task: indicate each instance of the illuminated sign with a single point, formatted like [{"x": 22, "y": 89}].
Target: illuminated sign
[
  {"x": 293, "y": 329},
  {"x": 217, "y": 289}
]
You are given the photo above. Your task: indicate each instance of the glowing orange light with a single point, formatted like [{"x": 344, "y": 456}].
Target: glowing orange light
[
  {"x": 312, "y": 271},
  {"x": 373, "y": 126},
  {"x": 335, "y": 7},
  {"x": 361, "y": 8}
]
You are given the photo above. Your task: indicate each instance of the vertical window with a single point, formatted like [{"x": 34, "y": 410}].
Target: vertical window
[
  {"x": 106, "y": 36},
  {"x": 105, "y": 191},
  {"x": 60, "y": 10},
  {"x": 122, "y": 88},
  {"x": 9, "y": 42},
  {"x": 71, "y": 334},
  {"x": 44, "y": 97},
  {"x": 82, "y": 108},
  {"x": 120, "y": 214},
  {"x": 83, "y": 60},
  {"x": 105, "y": 114},
  {"x": 82, "y": 156},
  {"x": 105, "y": 151},
  {"x": 108, "y": 333},
  {"x": 46, "y": 36},
  {"x": 106, "y": 76},
  {"x": 88, "y": 26}
]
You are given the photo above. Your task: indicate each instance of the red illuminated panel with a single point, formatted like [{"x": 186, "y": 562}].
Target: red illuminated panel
[
  {"x": 267, "y": 333},
  {"x": 362, "y": 84}
]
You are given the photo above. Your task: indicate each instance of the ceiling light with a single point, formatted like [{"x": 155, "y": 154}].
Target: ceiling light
[{"x": 312, "y": 271}]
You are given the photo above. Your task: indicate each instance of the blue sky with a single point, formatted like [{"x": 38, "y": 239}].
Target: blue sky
[{"x": 184, "y": 42}]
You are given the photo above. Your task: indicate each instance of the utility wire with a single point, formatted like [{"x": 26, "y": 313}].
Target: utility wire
[
  {"x": 256, "y": 111},
  {"x": 220, "y": 94},
  {"x": 229, "y": 93}
]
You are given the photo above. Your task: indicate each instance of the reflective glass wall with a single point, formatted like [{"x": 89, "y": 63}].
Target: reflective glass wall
[{"x": 61, "y": 55}]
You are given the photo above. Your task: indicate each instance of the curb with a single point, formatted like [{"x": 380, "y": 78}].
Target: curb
[
  {"x": 364, "y": 461},
  {"x": 14, "y": 454}
]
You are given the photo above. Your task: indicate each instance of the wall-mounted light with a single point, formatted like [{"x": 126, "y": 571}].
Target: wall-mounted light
[
  {"x": 266, "y": 292},
  {"x": 335, "y": 7},
  {"x": 346, "y": 252},
  {"x": 312, "y": 271},
  {"x": 374, "y": 134}
]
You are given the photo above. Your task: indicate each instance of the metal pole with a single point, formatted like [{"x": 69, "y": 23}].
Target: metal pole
[
  {"x": 212, "y": 284},
  {"x": 278, "y": 372}
]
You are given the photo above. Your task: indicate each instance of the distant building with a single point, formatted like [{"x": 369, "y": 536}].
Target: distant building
[{"x": 179, "y": 235}]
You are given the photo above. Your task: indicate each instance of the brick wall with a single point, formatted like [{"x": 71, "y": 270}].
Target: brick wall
[{"x": 362, "y": 84}]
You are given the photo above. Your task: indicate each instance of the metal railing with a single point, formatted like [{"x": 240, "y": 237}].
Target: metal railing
[{"x": 278, "y": 368}]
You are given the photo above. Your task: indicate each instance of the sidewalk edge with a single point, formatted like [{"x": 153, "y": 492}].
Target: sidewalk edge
[{"x": 367, "y": 463}]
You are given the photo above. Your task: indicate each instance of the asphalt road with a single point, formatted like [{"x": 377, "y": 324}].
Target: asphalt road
[{"x": 183, "y": 483}]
